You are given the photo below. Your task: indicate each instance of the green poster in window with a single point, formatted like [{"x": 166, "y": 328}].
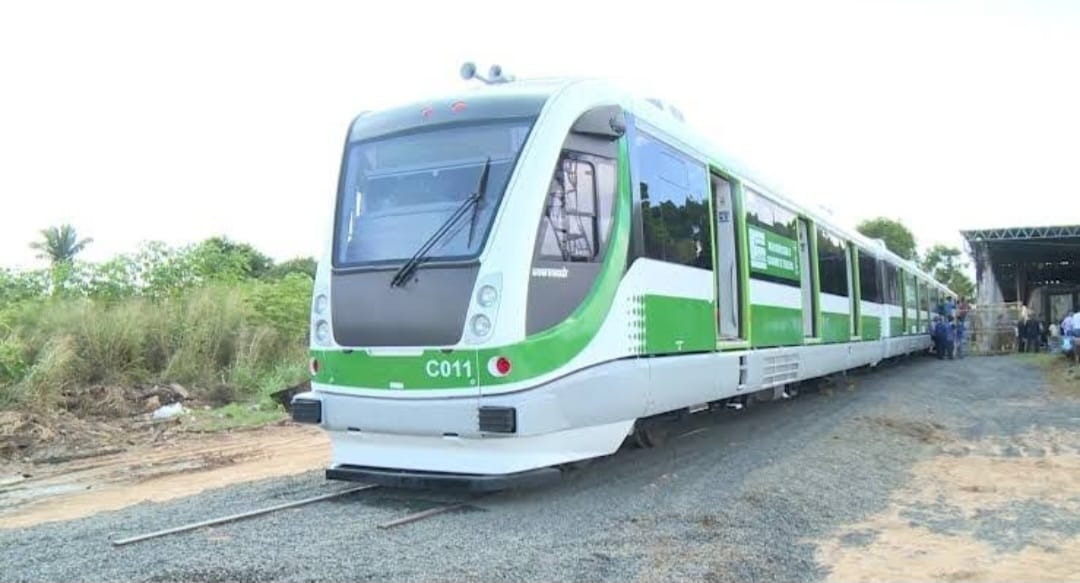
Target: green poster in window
[{"x": 773, "y": 254}]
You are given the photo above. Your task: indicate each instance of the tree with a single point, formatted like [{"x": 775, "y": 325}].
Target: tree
[
  {"x": 305, "y": 265},
  {"x": 898, "y": 238},
  {"x": 60, "y": 244},
  {"x": 221, "y": 259},
  {"x": 944, "y": 263}
]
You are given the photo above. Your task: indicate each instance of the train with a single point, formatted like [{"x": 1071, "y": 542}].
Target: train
[{"x": 524, "y": 275}]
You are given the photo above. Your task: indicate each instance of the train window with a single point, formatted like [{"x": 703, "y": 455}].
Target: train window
[
  {"x": 764, "y": 213},
  {"x": 832, "y": 263},
  {"x": 892, "y": 285},
  {"x": 577, "y": 216},
  {"x": 773, "y": 241},
  {"x": 910, "y": 291},
  {"x": 869, "y": 290},
  {"x": 674, "y": 207}
]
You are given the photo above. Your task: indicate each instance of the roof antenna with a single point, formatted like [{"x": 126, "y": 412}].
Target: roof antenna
[{"x": 495, "y": 74}]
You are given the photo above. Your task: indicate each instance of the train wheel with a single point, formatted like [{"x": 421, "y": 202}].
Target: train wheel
[{"x": 650, "y": 433}]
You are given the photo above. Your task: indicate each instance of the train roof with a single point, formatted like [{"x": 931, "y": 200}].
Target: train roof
[{"x": 670, "y": 122}]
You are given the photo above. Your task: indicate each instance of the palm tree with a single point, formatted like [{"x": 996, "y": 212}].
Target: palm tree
[{"x": 60, "y": 244}]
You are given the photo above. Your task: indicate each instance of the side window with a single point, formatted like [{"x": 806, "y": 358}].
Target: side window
[
  {"x": 888, "y": 280},
  {"x": 577, "y": 217},
  {"x": 892, "y": 285},
  {"x": 832, "y": 263},
  {"x": 868, "y": 278},
  {"x": 910, "y": 299},
  {"x": 772, "y": 241},
  {"x": 674, "y": 207}
]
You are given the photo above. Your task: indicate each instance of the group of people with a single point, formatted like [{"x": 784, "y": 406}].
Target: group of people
[
  {"x": 947, "y": 329},
  {"x": 1031, "y": 334}
]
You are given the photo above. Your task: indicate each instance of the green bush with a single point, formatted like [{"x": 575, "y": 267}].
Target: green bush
[
  {"x": 13, "y": 360},
  {"x": 217, "y": 317}
]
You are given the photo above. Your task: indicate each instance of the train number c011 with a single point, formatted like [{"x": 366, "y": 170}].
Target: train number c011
[{"x": 449, "y": 369}]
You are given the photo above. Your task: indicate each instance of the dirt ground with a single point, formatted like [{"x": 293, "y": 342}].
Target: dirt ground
[
  {"x": 32, "y": 493},
  {"x": 970, "y": 514},
  {"x": 919, "y": 471}
]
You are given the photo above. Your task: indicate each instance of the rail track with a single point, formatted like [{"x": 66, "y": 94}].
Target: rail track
[{"x": 400, "y": 521}]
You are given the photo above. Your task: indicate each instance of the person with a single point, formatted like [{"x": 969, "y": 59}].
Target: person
[
  {"x": 942, "y": 343},
  {"x": 935, "y": 334},
  {"x": 959, "y": 334},
  {"x": 1021, "y": 333},
  {"x": 1033, "y": 333},
  {"x": 1074, "y": 332}
]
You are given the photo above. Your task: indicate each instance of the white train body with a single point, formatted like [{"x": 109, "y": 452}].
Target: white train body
[{"x": 615, "y": 267}]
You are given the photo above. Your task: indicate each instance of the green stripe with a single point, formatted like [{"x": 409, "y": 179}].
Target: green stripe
[
  {"x": 678, "y": 325},
  {"x": 835, "y": 327},
  {"x": 871, "y": 328},
  {"x": 856, "y": 289},
  {"x": 360, "y": 369},
  {"x": 743, "y": 259},
  {"x": 775, "y": 326},
  {"x": 819, "y": 320}
]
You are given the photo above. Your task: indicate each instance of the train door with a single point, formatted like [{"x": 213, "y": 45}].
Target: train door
[
  {"x": 728, "y": 282},
  {"x": 807, "y": 274}
]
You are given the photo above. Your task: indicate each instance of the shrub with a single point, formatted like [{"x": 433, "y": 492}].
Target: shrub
[{"x": 217, "y": 317}]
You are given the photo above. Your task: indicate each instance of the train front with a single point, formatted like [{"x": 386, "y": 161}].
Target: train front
[{"x": 422, "y": 362}]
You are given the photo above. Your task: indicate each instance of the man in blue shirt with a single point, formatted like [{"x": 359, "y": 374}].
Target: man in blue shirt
[{"x": 942, "y": 342}]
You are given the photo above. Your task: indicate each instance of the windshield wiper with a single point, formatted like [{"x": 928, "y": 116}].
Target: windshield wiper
[
  {"x": 481, "y": 188},
  {"x": 410, "y": 266}
]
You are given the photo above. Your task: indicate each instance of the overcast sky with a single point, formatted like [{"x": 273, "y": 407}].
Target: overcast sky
[{"x": 137, "y": 121}]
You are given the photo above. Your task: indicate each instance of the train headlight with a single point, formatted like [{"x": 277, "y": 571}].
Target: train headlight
[
  {"x": 322, "y": 332},
  {"x": 487, "y": 296},
  {"x": 321, "y": 303},
  {"x": 481, "y": 325}
]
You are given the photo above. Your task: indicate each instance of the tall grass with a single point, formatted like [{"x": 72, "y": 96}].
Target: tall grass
[{"x": 247, "y": 337}]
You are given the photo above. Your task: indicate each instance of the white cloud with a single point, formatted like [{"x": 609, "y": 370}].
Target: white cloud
[{"x": 134, "y": 121}]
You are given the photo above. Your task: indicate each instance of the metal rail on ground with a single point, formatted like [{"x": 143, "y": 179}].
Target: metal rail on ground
[{"x": 240, "y": 516}]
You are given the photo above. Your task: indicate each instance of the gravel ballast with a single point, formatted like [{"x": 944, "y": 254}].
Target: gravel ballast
[{"x": 742, "y": 499}]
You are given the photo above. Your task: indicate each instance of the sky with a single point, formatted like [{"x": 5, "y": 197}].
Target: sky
[{"x": 139, "y": 121}]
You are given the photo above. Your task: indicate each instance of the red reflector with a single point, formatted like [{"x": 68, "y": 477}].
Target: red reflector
[
  {"x": 313, "y": 366},
  {"x": 503, "y": 365},
  {"x": 427, "y": 112},
  {"x": 458, "y": 106}
]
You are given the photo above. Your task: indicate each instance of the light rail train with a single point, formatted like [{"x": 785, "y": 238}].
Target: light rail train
[{"x": 528, "y": 273}]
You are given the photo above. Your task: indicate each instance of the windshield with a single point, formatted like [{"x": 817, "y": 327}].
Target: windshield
[{"x": 398, "y": 191}]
